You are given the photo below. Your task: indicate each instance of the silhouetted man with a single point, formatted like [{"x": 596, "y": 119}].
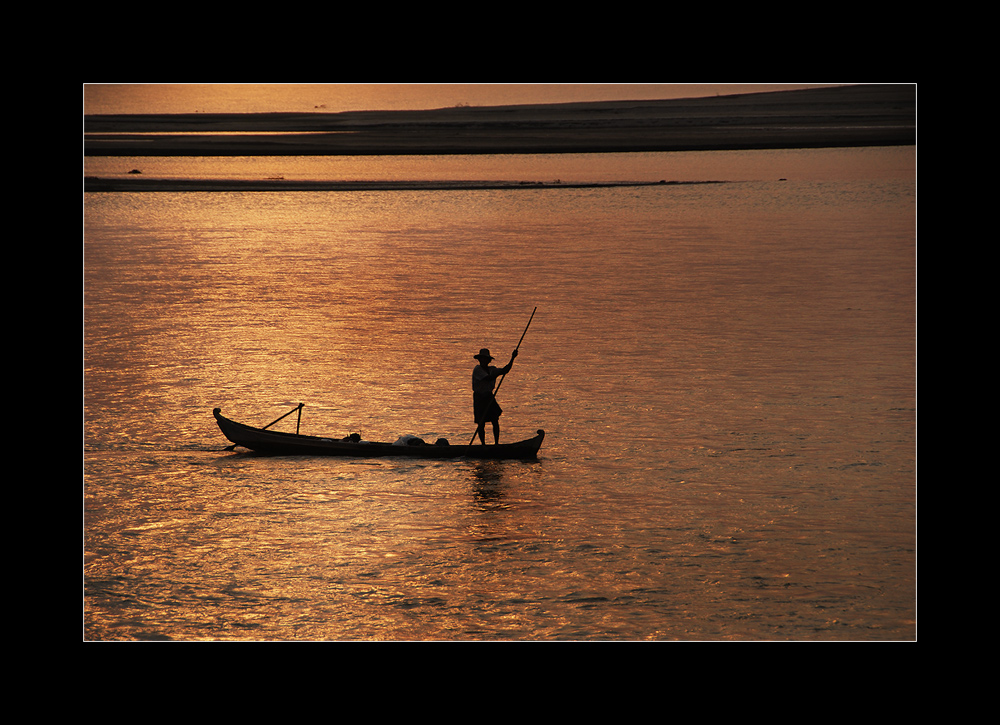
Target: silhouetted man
[{"x": 484, "y": 403}]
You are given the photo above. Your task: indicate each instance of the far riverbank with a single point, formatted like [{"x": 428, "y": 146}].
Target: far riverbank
[{"x": 863, "y": 115}]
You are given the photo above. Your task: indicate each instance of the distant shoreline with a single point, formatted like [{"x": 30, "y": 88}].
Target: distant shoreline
[{"x": 865, "y": 115}]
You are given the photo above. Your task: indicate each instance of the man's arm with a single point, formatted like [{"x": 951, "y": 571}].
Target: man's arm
[{"x": 506, "y": 369}]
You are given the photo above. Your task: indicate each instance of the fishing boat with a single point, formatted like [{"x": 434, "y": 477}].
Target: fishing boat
[{"x": 277, "y": 443}]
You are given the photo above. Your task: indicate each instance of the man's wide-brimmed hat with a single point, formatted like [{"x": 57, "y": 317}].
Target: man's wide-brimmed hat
[{"x": 484, "y": 355}]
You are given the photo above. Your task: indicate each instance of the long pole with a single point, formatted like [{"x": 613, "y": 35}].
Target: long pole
[
  {"x": 478, "y": 422},
  {"x": 516, "y": 348}
]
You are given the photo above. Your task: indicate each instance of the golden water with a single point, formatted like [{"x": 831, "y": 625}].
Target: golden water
[{"x": 726, "y": 376}]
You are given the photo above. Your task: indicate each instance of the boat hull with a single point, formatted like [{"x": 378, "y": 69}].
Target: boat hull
[{"x": 277, "y": 443}]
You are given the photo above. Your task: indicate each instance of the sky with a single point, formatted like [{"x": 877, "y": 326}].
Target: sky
[{"x": 339, "y": 97}]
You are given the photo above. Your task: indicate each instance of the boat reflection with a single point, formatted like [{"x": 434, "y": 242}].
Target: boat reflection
[{"x": 488, "y": 479}]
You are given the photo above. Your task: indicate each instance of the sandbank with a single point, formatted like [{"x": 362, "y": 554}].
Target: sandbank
[
  {"x": 860, "y": 115},
  {"x": 141, "y": 184}
]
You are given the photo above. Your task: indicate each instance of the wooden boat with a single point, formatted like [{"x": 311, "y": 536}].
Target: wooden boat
[{"x": 276, "y": 443}]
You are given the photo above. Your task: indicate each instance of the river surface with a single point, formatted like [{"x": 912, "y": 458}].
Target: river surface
[{"x": 726, "y": 374}]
